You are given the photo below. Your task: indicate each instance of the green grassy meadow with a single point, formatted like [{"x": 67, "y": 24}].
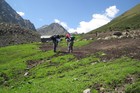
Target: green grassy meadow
[{"x": 59, "y": 73}]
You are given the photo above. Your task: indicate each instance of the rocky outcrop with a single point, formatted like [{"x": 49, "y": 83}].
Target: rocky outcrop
[{"x": 11, "y": 34}]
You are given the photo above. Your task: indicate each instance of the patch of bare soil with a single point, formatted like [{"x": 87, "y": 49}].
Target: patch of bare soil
[
  {"x": 114, "y": 48},
  {"x": 33, "y": 63},
  {"x": 46, "y": 46}
]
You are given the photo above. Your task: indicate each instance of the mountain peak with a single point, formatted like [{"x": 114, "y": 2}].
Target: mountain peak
[{"x": 52, "y": 29}]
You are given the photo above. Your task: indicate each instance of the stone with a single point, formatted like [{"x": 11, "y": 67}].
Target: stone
[
  {"x": 90, "y": 38},
  {"x": 87, "y": 91},
  {"x": 26, "y": 73},
  {"x": 75, "y": 79},
  {"x": 94, "y": 63}
]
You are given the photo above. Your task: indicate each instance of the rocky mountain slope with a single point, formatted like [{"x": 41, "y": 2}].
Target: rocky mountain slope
[
  {"x": 127, "y": 21},
  {"x": 52, "y": 29},
  {"x": 13, "y": 28},
  {"x": 11, "y": 34},
  {"x": 9, "y": 15}
]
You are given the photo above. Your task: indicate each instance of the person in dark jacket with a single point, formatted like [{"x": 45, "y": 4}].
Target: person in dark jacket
[{"x": 55, "y": 39}]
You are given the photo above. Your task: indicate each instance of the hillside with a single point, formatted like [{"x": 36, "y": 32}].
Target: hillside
[
  {"x": 95, "y": 65},
  {"x": 100, "y": 62},
  {"x": 13, "y": 28},
  {"x": 9, "y": 15},
  {"x": 128, "y": 20},
  {"x": 11, "y": 34},
  {"x": 52, "y": 29}
]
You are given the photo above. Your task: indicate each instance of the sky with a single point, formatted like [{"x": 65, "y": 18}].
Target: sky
[{"x": 79, "y": 16}]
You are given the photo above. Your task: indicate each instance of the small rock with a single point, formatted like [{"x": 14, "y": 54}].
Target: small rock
[
  {"x": 98, "y": 38},
  {"x": 87, "y": 91},
  {"x": 91, "y": 38},
  {"x": 102, "y": 89},
  {"x": 94, "y": 63},
  {"x": 26, "y": 73},
  {"x": 104, "y": 61},
  {"x": 75, "y": 79},
  {"x": 106, "y": 38}
]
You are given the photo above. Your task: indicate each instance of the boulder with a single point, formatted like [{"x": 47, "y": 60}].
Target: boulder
[{"x": 117, "y": 33}]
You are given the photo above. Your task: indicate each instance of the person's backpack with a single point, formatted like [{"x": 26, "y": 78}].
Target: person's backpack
[
  {"x": 53, "y": 37},
  {"x": 72, "y": 38},
  {"x": 57, "y": 36}
]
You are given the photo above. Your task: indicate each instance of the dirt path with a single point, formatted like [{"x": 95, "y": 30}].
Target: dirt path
[{"x": 113, "y": 48}]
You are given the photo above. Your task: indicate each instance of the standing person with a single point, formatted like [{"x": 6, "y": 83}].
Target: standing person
[
  {"x": 70, "y": 45},
  {"x": 55, "y": 39},
  {"x": 67, "y": 38},
  {"x": 70, "y": 42}
]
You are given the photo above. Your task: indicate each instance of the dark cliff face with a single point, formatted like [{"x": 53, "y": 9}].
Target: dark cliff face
[
  {"x": 9, "y": 15},
  {"x": 52, "y": 29},
  {"x": 14, "y": 29},
  {"x": 29, "y": 25}
]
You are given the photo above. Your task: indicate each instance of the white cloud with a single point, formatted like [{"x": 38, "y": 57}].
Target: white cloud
[
  {"x": 62, "y": 23},
  {"x": 56, "y": 21},
  {"x": 97, "y": 20},
  {"x": 21, "y": 13},
  {"x": 112, "y": 11}
]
